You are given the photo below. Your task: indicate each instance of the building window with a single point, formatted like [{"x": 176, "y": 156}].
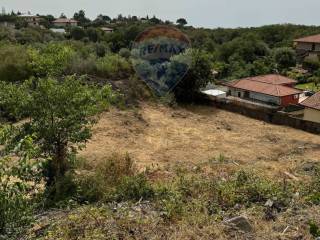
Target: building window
[
  {"x": 296, "y": 96},
  {"x": 313, "y": 46}
]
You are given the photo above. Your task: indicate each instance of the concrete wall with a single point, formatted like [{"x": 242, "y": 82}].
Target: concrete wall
[
  {"x": 267, "y": 115},
  {"x": 311, "y": 115}
]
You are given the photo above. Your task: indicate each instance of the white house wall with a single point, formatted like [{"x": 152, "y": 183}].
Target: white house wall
[
  {"x": 255, "y": 96},
  {"x": 264, "y": 98}
]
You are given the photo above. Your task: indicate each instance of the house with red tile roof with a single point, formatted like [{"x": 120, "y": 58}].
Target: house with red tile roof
[
  {"x": 271, "y": 89},
  {"x": 309, "y": 45},
  {"x": 65, "y": 22},
  {"x": 312, "y": 108}
]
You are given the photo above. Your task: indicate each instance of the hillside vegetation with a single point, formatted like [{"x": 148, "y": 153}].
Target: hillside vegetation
[{"x": 89, "y": 152}]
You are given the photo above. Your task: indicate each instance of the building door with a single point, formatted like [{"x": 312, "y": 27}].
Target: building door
[
  {"x": 246, "y": 94},
  {"x": 239, "y": 94}
]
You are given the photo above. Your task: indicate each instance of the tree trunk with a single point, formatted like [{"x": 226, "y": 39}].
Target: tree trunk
[{"x": 58, "y": 166}]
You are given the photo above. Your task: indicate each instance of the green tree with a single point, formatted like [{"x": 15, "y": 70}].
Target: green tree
[
  {"x": 198, "y": 76},
  {"x": 61, "y": 116},
  {"x": 77, "y": 33},
  {"x": 92, "y": 34},
  {"x": 81, "y": 18},
  {"x": 284, "y": 57},
  {"x": 182, "y": 21},
  {"x": 155, "y": 20}
]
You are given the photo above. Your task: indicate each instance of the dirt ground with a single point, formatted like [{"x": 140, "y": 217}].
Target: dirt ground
[{"x": 158, "y": 136}]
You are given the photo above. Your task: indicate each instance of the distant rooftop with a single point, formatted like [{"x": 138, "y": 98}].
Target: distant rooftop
[
  {"x": 274, "y": 79},
  {"x": 309, "y": 39},
  {"x": 65, "y": 20},
  {"x": 28, "y": 15},
  {"x": 312, "y": 102}
]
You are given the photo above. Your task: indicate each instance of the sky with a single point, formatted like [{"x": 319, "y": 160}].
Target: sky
[{"x": 199, "y": 13}]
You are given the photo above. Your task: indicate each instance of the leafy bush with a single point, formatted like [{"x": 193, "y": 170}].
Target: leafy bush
[
  {"x": 125, "y": 53},
  {"x": 81, "y": 66},
  {"x": 77, "y": 33},
  {"x": 100, "y": 183},
  {"x": 13, "y": 101},
  {"x": 311, "y": 63},
  {"x": 314, "y": 229},
  {"x": 114, "y": 178},
  {"x": 14, "y": 63},
  {"x": 312, "y": 191},
  {"x": 246, "y": 189},
  {"x": 21, "y": 184},
  {"x": 51, "y": 60},
  {"x": 113, "y": 66},
  {"x": 134, "y": 188}
]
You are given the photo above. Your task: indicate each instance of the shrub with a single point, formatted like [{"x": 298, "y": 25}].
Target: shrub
[
  {"x": 311, "y": 63},
  {"x": 199, "y": 76},
  {"x": 14, "y": 63},
  {"x": 13, "y": 101},
  {"x": 314, "y": 229},
  {"x": 246, "y": 188},
  {"x": 51, "y": 60},
  {"x": 312, "y": 192},
  {"x": 113, "y": 66},
  {"x": 77, "y": 33},
  {"x": 20, "y": 185},
  {"x": 134, "y": 188},
  {"x": 79, "y": 65},
  {"x": 100, "y": 183},
  {"x": 125, "y": 53},
  {"x": 101, "y": 50}
]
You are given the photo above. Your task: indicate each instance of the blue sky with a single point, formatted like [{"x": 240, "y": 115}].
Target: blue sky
[{"x": 200, "y": 13}]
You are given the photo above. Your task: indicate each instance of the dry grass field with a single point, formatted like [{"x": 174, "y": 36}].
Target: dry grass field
[{"x": 157, "y": 136}]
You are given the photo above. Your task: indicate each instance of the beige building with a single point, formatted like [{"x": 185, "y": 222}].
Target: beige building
[
  {"x": 312, "y": 108},
  {"x": 65, "y": 22}
]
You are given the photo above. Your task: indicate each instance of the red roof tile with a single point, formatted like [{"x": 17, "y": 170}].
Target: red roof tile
[
  {"x": 312, "y": 102},
  {"x": 309, "y": 39},
  {"x": 274, "y": 79},
  {"x": 264, "y": 88}
]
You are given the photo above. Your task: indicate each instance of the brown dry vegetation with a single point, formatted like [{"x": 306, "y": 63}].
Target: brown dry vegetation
[{"x": 161, "y": 137}]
